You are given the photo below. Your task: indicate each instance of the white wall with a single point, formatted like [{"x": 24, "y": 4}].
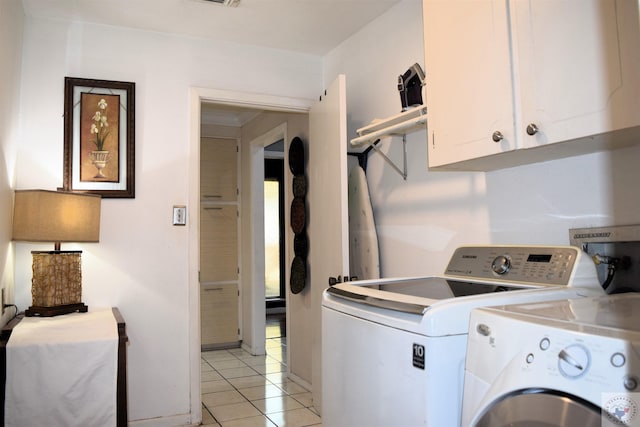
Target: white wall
[
  {"x": 11, "y": 27},
  {"x": 141, "y": 264},
  {"x": 420, "y": 221}
]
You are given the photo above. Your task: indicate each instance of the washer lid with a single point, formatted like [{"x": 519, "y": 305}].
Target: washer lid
[
  {"x": 429, "y": 305},
  {"x": 414, "y": 295}
]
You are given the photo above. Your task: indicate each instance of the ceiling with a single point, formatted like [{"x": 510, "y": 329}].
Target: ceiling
[
  {"x": 306, "y": 26},
  {"x": 311, "y": 27},
  {"x": 226, "y": 115}
]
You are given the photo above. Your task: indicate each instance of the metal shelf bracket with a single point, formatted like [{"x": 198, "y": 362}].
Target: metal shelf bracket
[{"x": 398, "y": 125}]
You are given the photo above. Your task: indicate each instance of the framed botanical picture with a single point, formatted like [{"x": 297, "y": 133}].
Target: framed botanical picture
[{"x": 99, "y": 137}]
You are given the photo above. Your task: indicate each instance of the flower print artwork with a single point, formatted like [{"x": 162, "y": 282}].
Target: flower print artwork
[
  {"x": 99, "y": 139},
  {"x": 100, "y": 125}
]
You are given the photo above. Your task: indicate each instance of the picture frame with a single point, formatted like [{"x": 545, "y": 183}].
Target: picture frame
[{"x": 99, "y": 137}]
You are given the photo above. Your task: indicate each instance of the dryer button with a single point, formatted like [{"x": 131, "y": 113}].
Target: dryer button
[
  {"x": 530, "y": 358},
  {"x": 630, "y": 383},
  {"x": 545, "y": 344},
  {"x": 483, "y": 329},
  {"x": 618, "y": 360}
]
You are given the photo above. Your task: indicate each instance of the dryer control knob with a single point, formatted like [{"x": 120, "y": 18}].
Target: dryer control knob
[
  {"x": 501, "y": 264},
  {"x": 574, "y": 361}
]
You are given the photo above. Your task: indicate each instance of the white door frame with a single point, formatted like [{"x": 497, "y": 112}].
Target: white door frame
[
  {"x": 256, "y": 207},
  {"x": 251, "y": 100}
]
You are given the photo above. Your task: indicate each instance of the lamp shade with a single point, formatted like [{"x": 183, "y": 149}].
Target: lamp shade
[{"x": 55, "y": 216}]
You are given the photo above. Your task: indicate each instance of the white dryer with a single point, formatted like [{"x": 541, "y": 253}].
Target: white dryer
[
  {"x": 568, "y": 363},
  {"x": 393, "y": 349}
]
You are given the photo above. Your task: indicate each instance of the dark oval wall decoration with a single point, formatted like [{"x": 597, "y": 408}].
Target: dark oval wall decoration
[
  {"x": 301, "y": 245},
  {"x": 299, "y": 186},
  {"x": 296, "y": 157},
  {"x": 298, "y": 216},
  {"x": 298, "y": 275}
]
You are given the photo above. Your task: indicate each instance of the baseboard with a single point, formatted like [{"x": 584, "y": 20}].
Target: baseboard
[
  {"x": 302, "y": 383},
  {"x": 261, "y": 351},
  {"x": 221, "y": 346},
  {"x": 182, "y": 420}
]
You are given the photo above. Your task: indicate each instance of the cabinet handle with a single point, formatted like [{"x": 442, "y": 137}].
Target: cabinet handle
[
  {"x": 497, "y": 136},
  {"x": 212, "y": 289},
  {"x": 212, "y": 196},
  {"x": 532, "y": 129}
]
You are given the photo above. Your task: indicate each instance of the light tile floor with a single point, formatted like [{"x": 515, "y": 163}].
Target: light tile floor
[{"x": 241, "y": 390}]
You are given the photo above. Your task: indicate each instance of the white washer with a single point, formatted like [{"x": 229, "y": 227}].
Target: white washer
[
  {"x": 393, "y": 350},
  {"x": 554, "y": 364}
]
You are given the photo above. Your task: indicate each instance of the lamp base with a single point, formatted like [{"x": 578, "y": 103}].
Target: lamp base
[{"x": 57, "y": 310}]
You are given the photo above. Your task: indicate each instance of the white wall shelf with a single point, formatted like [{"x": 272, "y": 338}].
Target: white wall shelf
[{"x": 399, "y": 125}]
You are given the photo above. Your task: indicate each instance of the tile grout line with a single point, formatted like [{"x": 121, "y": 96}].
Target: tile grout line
[
  {"x": 279, "y": 343},
  {"x": 246, "y": 399},
  {"x": 258, "y": 374}
]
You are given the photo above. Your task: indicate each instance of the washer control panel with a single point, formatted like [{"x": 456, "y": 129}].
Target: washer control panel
[{"x": 526, "y": 264}]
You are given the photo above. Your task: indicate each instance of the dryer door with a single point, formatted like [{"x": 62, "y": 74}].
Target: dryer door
[{"x": 541, "y": 409}]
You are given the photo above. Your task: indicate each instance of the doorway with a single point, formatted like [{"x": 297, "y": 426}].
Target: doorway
[
  {"x": 274, "y": 226},
  {"x": 253, "y": 295},
  {"x": 274, "y": 249}
]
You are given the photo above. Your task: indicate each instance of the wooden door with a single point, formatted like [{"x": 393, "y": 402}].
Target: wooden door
[{"x": 328, "y": 224}]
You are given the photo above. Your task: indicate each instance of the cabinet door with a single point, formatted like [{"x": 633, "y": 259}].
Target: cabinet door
[
  {"x": 468, "y": 79},
  {"x": 576, "y": 66},
  {"x": 219, "y": 314},
  {"x": 218, "y": 243},
  {"x": 218, "y": 170}
]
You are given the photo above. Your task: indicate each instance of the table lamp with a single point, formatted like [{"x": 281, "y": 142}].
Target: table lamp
[{"x": 56, "y": 216}]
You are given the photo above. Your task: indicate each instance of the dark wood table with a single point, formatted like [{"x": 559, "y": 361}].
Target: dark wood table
[{"x": 121, "y": 398}]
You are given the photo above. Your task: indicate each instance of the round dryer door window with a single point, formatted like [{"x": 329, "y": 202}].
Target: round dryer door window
[{"x": 541, "y": 409}]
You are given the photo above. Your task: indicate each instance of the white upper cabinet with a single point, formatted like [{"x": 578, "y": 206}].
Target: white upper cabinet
[
  {"x": 468, "y": 79},
  {"x": 522, "y": 81}
]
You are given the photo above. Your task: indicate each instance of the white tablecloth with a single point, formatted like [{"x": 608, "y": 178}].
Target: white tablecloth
[{"x": 62, "y": 371}]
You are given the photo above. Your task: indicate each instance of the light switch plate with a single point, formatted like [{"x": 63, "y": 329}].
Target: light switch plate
[{"x": 179, "y": 215}]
